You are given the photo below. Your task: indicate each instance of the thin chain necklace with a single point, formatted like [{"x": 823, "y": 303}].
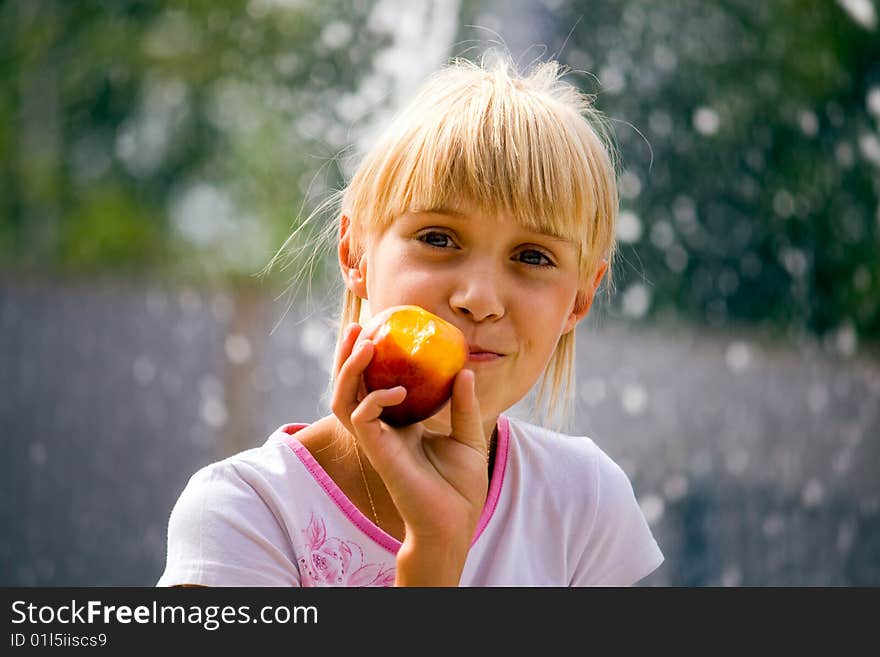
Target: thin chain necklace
[{"x": 357, "y": 451}]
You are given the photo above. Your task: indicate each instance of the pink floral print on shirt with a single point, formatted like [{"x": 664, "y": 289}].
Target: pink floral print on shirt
[{"x": 336, "y": 562}]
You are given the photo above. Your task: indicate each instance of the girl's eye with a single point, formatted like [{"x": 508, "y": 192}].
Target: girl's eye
[
  {"x": 433, "y": 238},
  {"x": 536, "y": 258}
]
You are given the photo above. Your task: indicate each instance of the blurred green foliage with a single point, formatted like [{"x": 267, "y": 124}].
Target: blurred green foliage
[
  {"x": 189, "y": 138},
  {"x": 178, "y": 137},
  {"x": 750, "y": 150}
]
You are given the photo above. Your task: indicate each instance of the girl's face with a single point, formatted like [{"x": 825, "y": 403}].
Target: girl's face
[{"x": 512, "y": 292}]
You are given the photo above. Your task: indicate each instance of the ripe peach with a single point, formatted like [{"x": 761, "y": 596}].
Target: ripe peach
[{"x": 418, "y": 350}]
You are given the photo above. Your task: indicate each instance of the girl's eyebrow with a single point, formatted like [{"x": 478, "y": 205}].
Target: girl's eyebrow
[{"x": 458, "y": 214}]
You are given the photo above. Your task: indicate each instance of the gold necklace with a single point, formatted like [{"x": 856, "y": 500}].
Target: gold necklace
[{"x": 357, "y": 452}]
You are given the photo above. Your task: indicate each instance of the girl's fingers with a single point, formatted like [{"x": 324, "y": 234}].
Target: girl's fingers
[
  {"x": 343, "y": 351},
  {"x": 371, "y": 407},
  {"x": 365, "y": 425},
  {"x": 348, "y": 386}
]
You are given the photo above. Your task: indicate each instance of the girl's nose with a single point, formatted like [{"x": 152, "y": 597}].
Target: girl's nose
[{"x": 478, "y": 295}]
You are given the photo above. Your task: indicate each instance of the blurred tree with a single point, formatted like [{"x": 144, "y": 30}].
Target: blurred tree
[
  {"x": 750, "y": 155},
  {"x": 179, "y": 136}
]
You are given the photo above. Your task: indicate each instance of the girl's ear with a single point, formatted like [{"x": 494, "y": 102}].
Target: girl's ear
[
  {"x": 584, "y": 300},
  {"x": 354, "y": 271}
]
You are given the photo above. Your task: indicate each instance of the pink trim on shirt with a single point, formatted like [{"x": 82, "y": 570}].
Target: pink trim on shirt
[
  {"x": 500, "y": 467},
  {"x": 345, "y": 505},
  {"x": 363, "y": 523}
]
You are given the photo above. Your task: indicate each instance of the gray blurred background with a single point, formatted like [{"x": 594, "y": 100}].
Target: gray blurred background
[{"x": 155, "y": 155}]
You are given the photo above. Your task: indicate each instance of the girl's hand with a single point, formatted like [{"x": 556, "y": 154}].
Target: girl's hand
[{"x": 437, "y": 482}]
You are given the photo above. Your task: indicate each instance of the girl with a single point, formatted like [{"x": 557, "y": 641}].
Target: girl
[{"x": 490, "y": 201}]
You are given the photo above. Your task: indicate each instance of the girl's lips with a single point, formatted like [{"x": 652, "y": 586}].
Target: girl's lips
[{"x": 483, "y": 356}]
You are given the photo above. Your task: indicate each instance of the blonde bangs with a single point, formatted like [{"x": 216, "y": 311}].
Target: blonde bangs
[{"x": 517, "y": 146}]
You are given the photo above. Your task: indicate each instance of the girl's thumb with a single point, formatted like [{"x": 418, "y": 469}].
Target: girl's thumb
[{"x": 465, "y": 418}]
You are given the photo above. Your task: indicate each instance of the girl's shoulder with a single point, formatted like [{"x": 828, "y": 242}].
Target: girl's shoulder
[
  {"x": 569, "y": 461},
  {"x": 571, "y": 491},
  {"x": 266, "y": 466},
  {"x": 234, "y": 521},
  {"x": 544, "y": 443}
]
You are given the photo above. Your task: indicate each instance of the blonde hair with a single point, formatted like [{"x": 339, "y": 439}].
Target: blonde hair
[{"x": 529, "y": 145}]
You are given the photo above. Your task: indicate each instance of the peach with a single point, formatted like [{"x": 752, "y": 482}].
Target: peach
[{"x": 418, "y": 350}]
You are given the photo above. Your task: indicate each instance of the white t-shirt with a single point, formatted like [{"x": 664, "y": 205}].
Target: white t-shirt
[{"x": 559, "y": 512}]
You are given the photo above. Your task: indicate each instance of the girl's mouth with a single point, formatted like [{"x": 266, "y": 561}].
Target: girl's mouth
[{"x": 478, "y": 355}]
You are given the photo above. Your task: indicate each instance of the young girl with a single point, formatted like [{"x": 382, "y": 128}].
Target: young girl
[{"x": 490, "y": 201}]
